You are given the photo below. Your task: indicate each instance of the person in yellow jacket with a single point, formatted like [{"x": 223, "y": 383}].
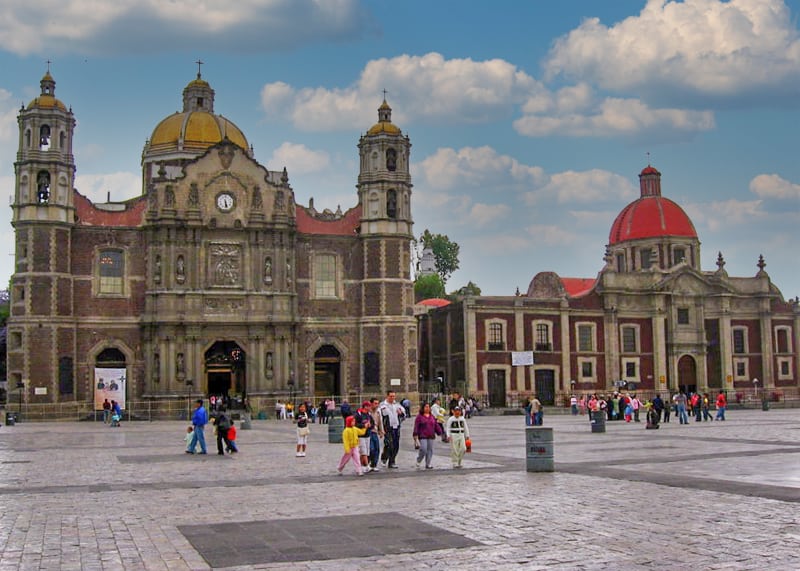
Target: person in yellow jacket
[{"x": 350, "y": 442}]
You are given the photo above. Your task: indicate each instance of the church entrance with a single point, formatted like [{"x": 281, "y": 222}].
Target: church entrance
[
  {"x": 327, "y": 371},
  {"x": 687, "y": 374},
  {"x": 225, "y": 369}
]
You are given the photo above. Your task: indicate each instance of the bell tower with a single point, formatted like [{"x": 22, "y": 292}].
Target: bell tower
[
  {"x": 41, "y": 326},
  {"x": 388, "y": 328}
]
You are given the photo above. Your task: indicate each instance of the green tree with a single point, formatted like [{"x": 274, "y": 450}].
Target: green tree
[
  {"x": 469, "y": 289},
  {"x": 427, "y": 287},
  {"x": 445, "y": 253}
]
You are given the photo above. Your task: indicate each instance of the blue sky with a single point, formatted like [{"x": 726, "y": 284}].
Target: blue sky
[{"x": 530, "y": 121}]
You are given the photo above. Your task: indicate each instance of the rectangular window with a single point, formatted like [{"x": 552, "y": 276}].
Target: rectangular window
[
  {"x": 678, "y": 255},
  {"x": 620, "y": 262},
  {"x": 585, "y": 338},
  {"x": 683, "y": 316},
  {"x": 543, "y": 337},
  {"x": 784, "y": 368},
  {"x": 741, "y": 369},
  {"x": 629, "y": 340},
  {"x": 112, "y": 272},
  {"x": 647, "y": 259},
  {"x": 739, "y": 341},
  {"x": 325, "y": 275},
  {"x": 587, "y": 370},
  {"x": 630, "y": 369},
  {"x": 782, "y": 340},
  {"x": 496, "y": 341}
]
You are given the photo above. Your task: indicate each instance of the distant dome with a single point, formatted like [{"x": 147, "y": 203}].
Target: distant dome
[
  {"x": 47, "y": 98},
  {"x": 384, "y": 124},
  {"x": 651, "y": 215}
]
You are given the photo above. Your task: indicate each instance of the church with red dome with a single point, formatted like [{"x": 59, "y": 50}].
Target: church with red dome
[{"x": 652, "y": 320}]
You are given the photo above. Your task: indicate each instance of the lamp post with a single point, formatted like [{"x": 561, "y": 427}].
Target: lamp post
[{"x": 755, "y": 388}]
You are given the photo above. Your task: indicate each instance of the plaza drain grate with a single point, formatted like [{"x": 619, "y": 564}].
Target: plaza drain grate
[{"x": 317, "y": 539}]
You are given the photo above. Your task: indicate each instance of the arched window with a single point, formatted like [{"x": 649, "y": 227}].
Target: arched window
[
  {"x": 111, "y": 272},
  {"x": 43, "y": 187},
  {"x": 391, "y": 160},
  {"x": 62, "y": 140},
  {"x": 391, "y": 203},
  {"x": 44, "y": 136}
]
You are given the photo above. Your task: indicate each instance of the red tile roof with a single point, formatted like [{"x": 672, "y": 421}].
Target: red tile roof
[
  {"x": 347, "y": 225},
  {"x": 89, "y": 215},
  {"x": 577, "y": 287}
]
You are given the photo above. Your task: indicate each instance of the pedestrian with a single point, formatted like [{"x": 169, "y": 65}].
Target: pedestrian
[
  {"x": 303, "y": 430},
  {"x": 527, "y": 409},
  {"x": 573, "y": 404},
  {"x": 722, "y": 404},
  {"x": 457, "y": 433},
  {"x": 364, "y": 420},
  {"x": 106, "y": 411},
  {"x": 628, "y": 412},
  {"x": 697, "y": 407},
  {"x": 345, "y": 409},
  {"x": 350, "y": 443},
  {"x": 375, "y": 434},
  {"x": 330, "y": 408},
  {"x": 322, "y": 410},
  {"x": 615, "y": 410},
  {"x": 232, "y": 448},
  {"x": 680, "y": 407},
  {"x": 437, "y": 410},
  {"x": 406, "y": 406},
  {"x": 199, "y": 421},
  {"x": 278, "y": 410},
  {"x": 187, "y": 439},
  {"x": 636, "y": 404},
  {"x": 705, "y": 408},
  {"x": 537, "y": 414},
  {"x": 392, "y": 414},
  {"x": 658, "y": 406},
  {"x": 116, "y": 413},
  {"x": 425, "y": 431},
  {"x": 222, "y": 424}
]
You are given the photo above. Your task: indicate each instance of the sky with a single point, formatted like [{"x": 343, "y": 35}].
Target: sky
[{"x": 530, "y": 121}]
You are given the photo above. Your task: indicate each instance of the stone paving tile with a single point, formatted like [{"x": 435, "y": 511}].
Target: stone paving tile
[{"x": 71, "y": 501}]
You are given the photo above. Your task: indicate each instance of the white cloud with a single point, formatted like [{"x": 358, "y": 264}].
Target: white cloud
[
  {"x": 501, "y": 244},
  {"x": 8, "y": 117},
  {"x": 421, "y": 87},
  {"x": 699, "y": 47},
  {"x": 483, "y": 214},
  {"x": 98, "y": 26},
  {"x": 725, "y": 214},
  {"x": 298, "y": 159},
  {"x": 551, "y": 234},
  {"x": 449, "y": 168},
  {"x": 613, "y": 117},
  {"x": 584, "y": 187},
  {"x": 773, "y": 186},
  {"x": 121, "y": 185}
]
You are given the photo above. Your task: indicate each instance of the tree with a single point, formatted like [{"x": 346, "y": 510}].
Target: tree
[
  {"x": 469, "y": 289},
  {"x": 444, "y": 251},
  {"x": 427, "y": 287}
]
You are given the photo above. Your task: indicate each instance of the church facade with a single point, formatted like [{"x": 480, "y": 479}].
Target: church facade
[
  {"x": 651, "y": 320},
  {"x": 213, "y": 280}
]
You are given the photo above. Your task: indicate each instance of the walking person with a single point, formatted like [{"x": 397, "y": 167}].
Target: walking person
[
  {"x": 392, "y": 414},
  {"x": 705, "y": 408},
  {"x": 375, "y": 435},
  {"x": 222, "y": 425},
  {"x": 106, "y": 411},
  {"x": 425, "y": 431},
  {"x": 232, "y": 448},
  {"x": 350, "y": 443},
  {"x": 722, "y": 404},
  {"x": 438, "y": 412},
  {"x": 199, "y": 421},
  {"x": 537, "y": 412},
  {"x": 636, "y": 404},
  {"x": 303, "y": 430},
  {"x": 680, "y": 407},
  {"x": 658, "y": 406},
  {"x": 364, "y": 420},
  {"x": 457, "y": 433}
]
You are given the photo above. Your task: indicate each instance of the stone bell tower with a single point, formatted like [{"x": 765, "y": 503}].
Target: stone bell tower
[
  {"x": 388, "y": 331},
  {"x": 41, "y": 330}
]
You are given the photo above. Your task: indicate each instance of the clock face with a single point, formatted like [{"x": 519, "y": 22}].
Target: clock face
[{"x": 225, "y": 201}]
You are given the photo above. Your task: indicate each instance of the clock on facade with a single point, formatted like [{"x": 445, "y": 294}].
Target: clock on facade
[{"x": 225, "y": 201}]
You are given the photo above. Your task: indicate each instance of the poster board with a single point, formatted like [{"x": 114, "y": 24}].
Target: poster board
[
  {"x": 109, "y": 384},
  {"x": 521, "y": 358}
]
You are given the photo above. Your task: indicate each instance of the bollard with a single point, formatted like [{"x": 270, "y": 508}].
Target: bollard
[
  {"x": 539, "y": 449},
  {"x": 598, "y": 420},
  {"x": 245, "y": 424},
  {"x": 335, "y": 429}
]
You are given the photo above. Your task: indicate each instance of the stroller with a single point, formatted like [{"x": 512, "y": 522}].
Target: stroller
[{"x": 115, "y": 418}]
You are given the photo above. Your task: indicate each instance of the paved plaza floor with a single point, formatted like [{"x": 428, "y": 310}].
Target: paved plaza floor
[{"x": 712, "y": 495}]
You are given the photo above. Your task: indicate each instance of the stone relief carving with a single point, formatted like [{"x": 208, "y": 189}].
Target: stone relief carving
[
  {"x": 279, "y": 201},
  {"x": 226, "y": 156},
  {"x": 268, "y": 270},
  {"x": 257, "y": 201},
  {"x": 180, "y": 365},
  {"x": 226, "y": 264},
  {"x": 157, "y": 270},
  {"x": 169, "y": 197},
  {"x": 268, "y": 367},
  {"x": 215, "y": 304}
]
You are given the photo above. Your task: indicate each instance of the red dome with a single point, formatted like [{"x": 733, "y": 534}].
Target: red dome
[
  {"x": 649, "y": 217},
  {"x": 649, "y": 170}
]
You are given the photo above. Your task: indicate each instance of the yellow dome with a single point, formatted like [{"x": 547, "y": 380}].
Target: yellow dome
[
  {"x": 194, "y": 131},
  {"x": 384, "y": 127},
  {"x": 47, "y": 102}
]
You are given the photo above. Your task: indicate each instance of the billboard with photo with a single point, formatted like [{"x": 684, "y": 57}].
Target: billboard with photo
[{"x": 109, "y": 384}]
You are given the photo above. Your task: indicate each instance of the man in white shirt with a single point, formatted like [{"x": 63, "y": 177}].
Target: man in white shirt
[{"x": 392, "y": 414}]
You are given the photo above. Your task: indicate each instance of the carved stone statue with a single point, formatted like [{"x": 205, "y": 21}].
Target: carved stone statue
[
  {"x": 180, "y": 270},
  {"x": 257, "y": 202},
  {"x": 268, "y": 270},
  {"x": 194, "y": 196}
]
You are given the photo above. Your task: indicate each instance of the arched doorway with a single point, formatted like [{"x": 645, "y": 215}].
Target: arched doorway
[
  {"x": 327, "y": 371},
  {"x": 687, "y": 374},
  {"x": 225, "y": 369}
]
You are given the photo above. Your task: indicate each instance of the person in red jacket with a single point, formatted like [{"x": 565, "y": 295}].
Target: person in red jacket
[{"x": 722, "y": 403}]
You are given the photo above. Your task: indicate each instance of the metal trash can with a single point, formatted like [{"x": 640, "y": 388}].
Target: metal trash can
[
  {"x": 335, "y": 429},
  {"x": 539, "y": 449},
  {"x": 11, "y": 418},
  {"x": 598, "y": 420}
]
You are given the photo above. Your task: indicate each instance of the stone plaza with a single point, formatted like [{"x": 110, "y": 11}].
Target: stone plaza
[{"x": 711, "y": 495}]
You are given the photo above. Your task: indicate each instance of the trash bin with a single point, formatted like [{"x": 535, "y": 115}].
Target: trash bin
[
  {"x": 765, "y": 404},
  {"x": 11, "y": 418},
  {"x": 598, "y": 420},
  {"x": 539, "y": 449},
  {"x": 335, "y": 429}
]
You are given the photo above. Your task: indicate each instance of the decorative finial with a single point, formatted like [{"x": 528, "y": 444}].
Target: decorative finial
[
  {"x": 720, "y": 261},
  {"x": 199, "y": 62},
  {"x": 761, "y": 264},
  {"x": 517, "y": 292},
  {"x": 648, "y": 158},
  {"x": 384, "y": 93},
  {"x": 285, "y": 176}
]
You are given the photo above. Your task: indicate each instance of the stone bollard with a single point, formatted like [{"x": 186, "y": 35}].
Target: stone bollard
[
  {"x": 335, "y": 429},
  {"x": 539, "y": 449}
]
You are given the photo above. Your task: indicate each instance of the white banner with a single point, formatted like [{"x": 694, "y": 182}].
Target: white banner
[
  {"x": 521, "y": 358},
  {"x": 109, "y": 384}
]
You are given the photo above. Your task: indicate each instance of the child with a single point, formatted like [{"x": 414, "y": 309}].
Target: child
[
  {"x": 232, "y": 448},
  {"x": 457, "y": 432},
  {"x": 302, "y": 430},
  {"x": 628, "y": 412},
  {"x": 188, "y": 437},
  {"x": 350, "y": 443}
]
